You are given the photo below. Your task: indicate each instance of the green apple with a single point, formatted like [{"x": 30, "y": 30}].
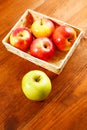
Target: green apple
[{"x": 36, "y": 85}]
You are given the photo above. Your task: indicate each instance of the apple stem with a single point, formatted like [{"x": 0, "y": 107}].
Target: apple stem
[
  {"x": 41, "y": 22},
  {"x": 69, "y": 39},
  {"x": 37, "y": 79},
  {"x": 20, "y": 35}
]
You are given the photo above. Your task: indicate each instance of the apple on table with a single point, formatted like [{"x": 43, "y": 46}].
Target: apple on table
[
  {"x": 21, "y": 38},
  {"x": 36, "y": 85}
]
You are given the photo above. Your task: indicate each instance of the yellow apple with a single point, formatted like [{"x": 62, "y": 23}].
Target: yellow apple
[{"x": 42, "y": 28}]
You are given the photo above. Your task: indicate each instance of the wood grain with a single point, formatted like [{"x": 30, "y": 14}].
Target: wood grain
[{"x": 66, "y": 106}]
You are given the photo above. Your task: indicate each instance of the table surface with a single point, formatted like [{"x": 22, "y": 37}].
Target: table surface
[{"x": 66, "y": 106}]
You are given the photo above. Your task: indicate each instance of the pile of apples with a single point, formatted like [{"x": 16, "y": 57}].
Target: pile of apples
[{"x": 41, "y": 37}]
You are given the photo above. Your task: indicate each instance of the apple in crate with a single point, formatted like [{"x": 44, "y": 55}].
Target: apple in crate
[
  {"x": 21, "y": 38},
  {"x": 42, "y": 48},
  {"x": 36, "y": 85},
  {"x": 64, "y": 37},
  {"x": 42, "y": 28}
]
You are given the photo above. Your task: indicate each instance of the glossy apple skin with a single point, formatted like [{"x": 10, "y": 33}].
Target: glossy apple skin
[
  {"x": 42, "y": 48},
  {"x": 64, "y": 37},
  {"x": 36, "y": 85},
  {"x": 21, "y": 38},
  {"x": 42, "y": 28}
]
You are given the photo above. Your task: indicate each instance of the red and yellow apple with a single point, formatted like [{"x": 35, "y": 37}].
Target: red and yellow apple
[
  {"x": 42, "y": 48},
  {"x": 64, "y": 37},
  {"x": 21, "y": 38},
  {"x": 42, "y": 28}
]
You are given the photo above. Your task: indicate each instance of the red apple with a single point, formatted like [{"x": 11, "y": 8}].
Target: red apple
[
  {"x": 42, "y": 28},
  {"x": 21, "y": 38},
  {"x": 42, "y": 48},
  {"x": 64, "y": 37}
]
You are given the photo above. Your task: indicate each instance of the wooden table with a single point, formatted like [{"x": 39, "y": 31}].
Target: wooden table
[{"x": 66, "y": 106}]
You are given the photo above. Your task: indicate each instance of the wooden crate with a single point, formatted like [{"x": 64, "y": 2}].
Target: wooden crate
[{"x": 57, "y": 63}]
